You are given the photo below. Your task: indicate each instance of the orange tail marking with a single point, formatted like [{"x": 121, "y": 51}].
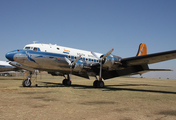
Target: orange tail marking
[{"x": 142, "y": 50}]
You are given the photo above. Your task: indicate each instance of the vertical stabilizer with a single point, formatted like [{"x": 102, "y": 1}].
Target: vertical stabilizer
[{"x": 142, "y": 50}]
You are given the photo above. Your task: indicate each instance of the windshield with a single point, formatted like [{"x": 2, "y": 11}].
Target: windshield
[
  {"x": 28, "y": 48},
  {"x": 32, "y": 48}
]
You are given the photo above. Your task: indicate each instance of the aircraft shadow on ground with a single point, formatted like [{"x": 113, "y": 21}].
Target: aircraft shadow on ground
[
  {"x": 8, "y": 78},
  {"x": 110, "y": 87}
]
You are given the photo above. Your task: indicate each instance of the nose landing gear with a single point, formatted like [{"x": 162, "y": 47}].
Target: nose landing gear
[{"x": 27, "y": 82}]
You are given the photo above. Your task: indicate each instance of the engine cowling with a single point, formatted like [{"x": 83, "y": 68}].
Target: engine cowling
[
  {"x": 110, "y": 61},
  {"x": 79, "y": 66}
]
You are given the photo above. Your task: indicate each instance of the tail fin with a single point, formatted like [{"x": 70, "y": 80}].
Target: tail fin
[{"x": 142, "y": 50}]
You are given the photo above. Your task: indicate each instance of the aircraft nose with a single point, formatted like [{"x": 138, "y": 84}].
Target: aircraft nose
[{"x": 10, "y": 55}]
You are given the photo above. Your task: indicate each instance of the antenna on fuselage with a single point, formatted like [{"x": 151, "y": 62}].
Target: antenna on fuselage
[{"x": 35, "y": 42}]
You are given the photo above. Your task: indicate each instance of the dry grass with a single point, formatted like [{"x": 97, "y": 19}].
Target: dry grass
[{"x": 121, "y": 99}]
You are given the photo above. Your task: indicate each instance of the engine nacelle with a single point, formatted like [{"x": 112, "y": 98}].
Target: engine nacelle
[
  {"x": 110, "y": 61},
  {"x": 79, "y": 66}
]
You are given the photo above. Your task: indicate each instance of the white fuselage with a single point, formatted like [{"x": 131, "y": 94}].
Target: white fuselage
[
  {"x": 70, "y": 52},
  {"x": 54, "y": 58}
]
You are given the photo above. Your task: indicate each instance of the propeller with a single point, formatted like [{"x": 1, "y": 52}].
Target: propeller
[
  {"x": 101, "y": 59},
  {"x": 72, "y": 64}
]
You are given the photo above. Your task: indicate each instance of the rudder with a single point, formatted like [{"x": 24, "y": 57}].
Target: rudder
[{"x": 142, "y": 50}]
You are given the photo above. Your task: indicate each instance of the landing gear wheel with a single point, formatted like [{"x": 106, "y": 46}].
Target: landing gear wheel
[
  {"x": 95, "y": 84},
  {"x": 26, "y": 83},
  {"x": 100, "y": 84},
  {"x": 66, "y": 82}
]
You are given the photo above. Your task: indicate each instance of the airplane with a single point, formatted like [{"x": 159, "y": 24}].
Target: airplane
[
  {"x": 65, "y": 61},
  {"x": 5, "y": 66}
]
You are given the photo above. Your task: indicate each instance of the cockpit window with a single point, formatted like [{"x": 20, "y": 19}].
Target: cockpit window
[
  {"x": 27, "y": 48},
  {"x": 35, "y": 49},
  {"x": 32, "y": 48}
]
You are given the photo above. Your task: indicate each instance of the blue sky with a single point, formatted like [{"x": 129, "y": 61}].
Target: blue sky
[{"x": 95, "y": 25}]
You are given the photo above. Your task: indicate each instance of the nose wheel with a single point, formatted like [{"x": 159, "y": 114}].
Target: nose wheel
[{"x": 27, "y": 82}]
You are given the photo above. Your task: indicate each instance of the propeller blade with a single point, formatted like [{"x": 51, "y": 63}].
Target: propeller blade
[
  {"x": 107, "y": 54},
  {"x": 94, "y": 55},
  {"x": 74, "y": 62},
  {"x": 68, "y": 61}
]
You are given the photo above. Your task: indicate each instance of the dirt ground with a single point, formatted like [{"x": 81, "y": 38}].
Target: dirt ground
[{"x": 121, "y": 99}]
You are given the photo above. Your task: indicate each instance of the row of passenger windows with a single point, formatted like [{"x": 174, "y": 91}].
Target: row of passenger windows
[
  {"x": 70, "y": 57},
  {"x": 84, "y": 59}
]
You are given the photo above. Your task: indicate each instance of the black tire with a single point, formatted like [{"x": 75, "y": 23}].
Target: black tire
[
  {"x": 95, "y": 84},
  {"x": 26, "y": 83},
  {"x": 100, "y": 84},
  {"x": 66, "y": 82},
  {"x": 69, "y": 82}
]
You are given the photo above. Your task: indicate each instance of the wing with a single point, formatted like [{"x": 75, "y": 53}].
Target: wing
[
  {"x": 137, "y": 64},
  {"x": 149, "y": 59}
]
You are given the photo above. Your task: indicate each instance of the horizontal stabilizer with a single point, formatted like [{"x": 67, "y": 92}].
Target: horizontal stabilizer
[
  {"x": 159, "y": 70},
  {"x": 145, "y": 71}
]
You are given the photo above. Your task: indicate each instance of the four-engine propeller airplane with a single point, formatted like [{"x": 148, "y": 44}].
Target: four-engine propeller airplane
[{"x": 59, "y": 60}]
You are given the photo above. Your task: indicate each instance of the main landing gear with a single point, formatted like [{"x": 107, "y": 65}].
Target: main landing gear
[
  {"x": 67, "y": 82},
  {"x": 98, "y": 83}
]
